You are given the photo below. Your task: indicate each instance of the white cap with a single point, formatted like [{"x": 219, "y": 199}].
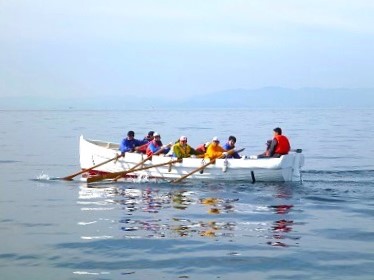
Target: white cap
[
  {"x": 206, "y": 144},
  {"x": 156, "y": 134},
  {"x": 215, "y": 138},
  {"x": 183, "y": 138}
]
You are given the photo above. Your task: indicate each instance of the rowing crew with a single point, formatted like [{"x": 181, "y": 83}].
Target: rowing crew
[{"x": 152, "y": 143}]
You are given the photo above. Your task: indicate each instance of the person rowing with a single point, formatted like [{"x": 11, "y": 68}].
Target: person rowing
[
  {"x": 215, "y": 150},
  {"x": 130, "y": 144},
  {"x": 230, "y": 144},
  {"x": 155, "y": 145},
  {"x": 182, "y": 149}
]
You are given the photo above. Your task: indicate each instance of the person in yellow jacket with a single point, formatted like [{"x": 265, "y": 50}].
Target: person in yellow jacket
[
  {"x": 215, "y": 150},
  {"x": 182, "y": 149}
]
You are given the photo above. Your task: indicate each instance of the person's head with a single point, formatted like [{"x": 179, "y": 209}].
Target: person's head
[
  {"x": 183, "y": 140},
  {"x": 157, "y": 137},
  {"x": 150, "y": 135},
  {"x": 232, "y": 140},
  {"x": 277, "y": 131},
  {"x": 215, "y": 140},
  {"x": 131, "y": 134}
]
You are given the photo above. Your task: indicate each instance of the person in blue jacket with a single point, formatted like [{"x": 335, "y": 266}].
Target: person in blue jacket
[
  {"x": 130, "y": 144},
  {"x": 230, "y": 144}
]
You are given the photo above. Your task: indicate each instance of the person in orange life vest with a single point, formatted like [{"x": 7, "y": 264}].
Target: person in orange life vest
[
  {"x": 147, "y": 139},
  {"x": 155, "y": 145},
  {"x": 182, "y": 149},
  {"x": 215, "y": 150},
  {"x": 201, "y": 149},
  {"x": 230, "y": 144},
  {"x": 279, "y": 145}
]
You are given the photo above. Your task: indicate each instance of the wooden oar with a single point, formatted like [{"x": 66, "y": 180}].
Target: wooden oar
[
  {"x": 132, "y": 169},
  {"x": 116, "y": 175},
  {"x": 155, "y": 165},
  {"x": 194, "y": 171},
  {"x": 122, "y": 173},
  {"x": 203, "y": 166},
  {"x": 70, "y": 177}
]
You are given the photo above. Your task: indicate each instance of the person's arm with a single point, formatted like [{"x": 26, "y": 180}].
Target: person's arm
[
  {"x": 236, "y": 155},
  {"x": 124, "y": 147},
  {"x": 227, "y": 147},
  {"x": 165, "y": 149},
  {"x": 140, "y": 145},
  {"x": 273, "y": 145},
  {"x": 194, "y": 152}
]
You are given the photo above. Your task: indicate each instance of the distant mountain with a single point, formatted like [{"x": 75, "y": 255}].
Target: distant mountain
[{"x": 235, "y": 98}]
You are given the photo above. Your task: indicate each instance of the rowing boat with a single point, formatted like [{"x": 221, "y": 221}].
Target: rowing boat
[{"x": 93, "y": 152}]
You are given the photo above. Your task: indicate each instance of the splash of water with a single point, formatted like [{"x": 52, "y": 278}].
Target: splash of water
[{"x": 43, "y": 176}]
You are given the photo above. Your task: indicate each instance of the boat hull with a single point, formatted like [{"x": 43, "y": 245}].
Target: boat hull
[{"x": 285, "y": 168}]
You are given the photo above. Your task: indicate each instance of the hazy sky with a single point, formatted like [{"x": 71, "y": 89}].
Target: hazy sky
[{"x": 141, "y": 47}]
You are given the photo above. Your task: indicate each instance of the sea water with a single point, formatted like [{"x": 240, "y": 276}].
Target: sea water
[{"x": 321, "y": 228}]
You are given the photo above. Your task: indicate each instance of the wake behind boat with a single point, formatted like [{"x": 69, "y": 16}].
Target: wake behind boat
[{"x": 95, "y": 152}]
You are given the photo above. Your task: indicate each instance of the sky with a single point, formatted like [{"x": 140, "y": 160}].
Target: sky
[{"x": 177, "y": 48}]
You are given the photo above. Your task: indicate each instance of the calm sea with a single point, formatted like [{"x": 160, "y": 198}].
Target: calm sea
[{"x": 322, "y": 228}]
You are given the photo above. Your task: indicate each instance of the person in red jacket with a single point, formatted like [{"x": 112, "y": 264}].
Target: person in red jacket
[{"x": 279, "y": 145}]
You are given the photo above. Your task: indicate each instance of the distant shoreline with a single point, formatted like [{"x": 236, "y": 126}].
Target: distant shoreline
[{"x": 263, "y": 98}]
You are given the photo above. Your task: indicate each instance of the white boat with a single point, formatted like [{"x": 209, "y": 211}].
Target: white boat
[{"x": 94, "y": 152}]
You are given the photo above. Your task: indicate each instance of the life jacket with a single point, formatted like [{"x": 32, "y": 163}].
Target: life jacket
[
  {"x": 152, "y": 147},
  {"x": 283, "y": 146},
  {"x": 201, "y": 149},
  {"x": 143, "y": 148},
  {"x": 184, "y": 151},
  {"x": 214, "y": 151}
]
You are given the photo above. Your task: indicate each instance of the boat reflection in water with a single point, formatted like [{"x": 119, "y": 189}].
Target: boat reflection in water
[{"x": 150, "y": 212}]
